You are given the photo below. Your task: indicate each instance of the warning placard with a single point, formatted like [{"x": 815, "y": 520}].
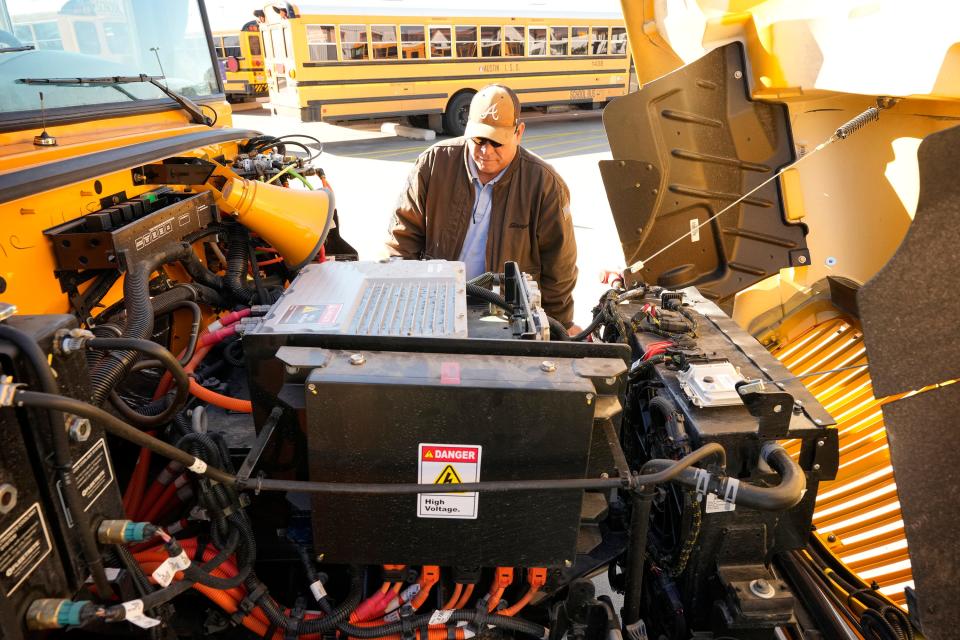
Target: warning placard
[{"x": 447, "y": 465}]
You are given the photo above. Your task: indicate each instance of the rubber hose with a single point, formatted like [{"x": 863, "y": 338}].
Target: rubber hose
[
  {"x": 597, "y": 319},
  {"x": 138, "y": 323},
  {"x": 482, "y": 280},
  {"x": 558, "y": 332},
  {"x": 238, "y": 262},
  {"x": 201, "y": 274},
  {"x": 62, "y": 457},
  {"x": 488, "y": 296},
  {"x": 157, "y": 352}
]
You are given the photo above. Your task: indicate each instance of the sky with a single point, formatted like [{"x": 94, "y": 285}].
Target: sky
[{"x": 231, "y": 14}]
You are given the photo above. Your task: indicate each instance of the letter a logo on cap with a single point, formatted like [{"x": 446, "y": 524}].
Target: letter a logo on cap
[{"x": 490, "y": 112}]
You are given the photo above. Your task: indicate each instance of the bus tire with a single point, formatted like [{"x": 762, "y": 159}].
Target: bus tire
[{"x": 455, "y": 117}]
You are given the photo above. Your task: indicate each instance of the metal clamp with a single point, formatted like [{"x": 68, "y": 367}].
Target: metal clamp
[
  {"x": 730, "y": 488},
  {"x": 703, "y": 481},
  {"x": 8, "y": 389}
]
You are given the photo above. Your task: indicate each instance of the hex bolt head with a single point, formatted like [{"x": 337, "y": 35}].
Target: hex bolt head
[
  {"x": 357, "y": 359},
  {"x": 312, "y": 388},
  {"x": 8, "y": 498},
  {"x": 548, "y": 365},
  {"x": 762, "y": 589},
  {"x": 78, "y": 429}
]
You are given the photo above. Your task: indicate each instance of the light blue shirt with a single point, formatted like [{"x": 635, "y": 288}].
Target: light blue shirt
[{"x": 474, "y": 252}]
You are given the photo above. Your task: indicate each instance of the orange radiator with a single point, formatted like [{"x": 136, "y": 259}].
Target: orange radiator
[{"x": 858, "y": 514}]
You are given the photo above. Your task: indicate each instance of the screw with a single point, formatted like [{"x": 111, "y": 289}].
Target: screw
[
  {"x": 802, "y": 259},
  {"x": 548, "y": 366},
  {"x": 762, "y": 589},
  {"x": 313, "y": 388},
  {"x": 649, "y": 167},
  {"x": 816, "y": 467},
  {"x": 797, "y": 407},
  {"x": 604, "y": 475},
  {"x": 589, "y": 398},
  {"x": 292, "y": 370},
  {"x": 831, "y": 538},
  {"x": 357, "y": 359},
  {"x": 567, "y": 563},
  {"x": 738, "y": 74},
  {"x": 820, "y": 443},
  {"x": 611, "y": 380},
  {"x": 831, "y": 261},
  {"x": 778, "y": 408}
]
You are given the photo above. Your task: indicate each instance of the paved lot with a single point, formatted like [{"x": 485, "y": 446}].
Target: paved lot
[{"x": 367, "y": 170}]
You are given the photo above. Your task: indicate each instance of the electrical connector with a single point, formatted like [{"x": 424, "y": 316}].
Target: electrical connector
[
  {"x": 124, "y": 531},
  {"x": 54, "y": 613}
]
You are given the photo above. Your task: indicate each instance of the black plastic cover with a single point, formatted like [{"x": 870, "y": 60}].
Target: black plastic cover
[{"x": 685, "y": 146}]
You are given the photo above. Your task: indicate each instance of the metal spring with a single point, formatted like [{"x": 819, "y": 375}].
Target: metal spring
[{"x": 851, "y": 126}]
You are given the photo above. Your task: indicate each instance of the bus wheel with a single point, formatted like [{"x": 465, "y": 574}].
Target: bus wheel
[{"x": 455, "y": 117}]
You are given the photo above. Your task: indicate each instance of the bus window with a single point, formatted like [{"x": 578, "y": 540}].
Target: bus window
[
  {"x": 383, "y": 38},
  {"x": 353, "y": 42},
  {"x": 231, "y": 46},
  {"x": 598, "y": 44},
  {"x": 286, "y": 39},
  {"x": 88, "y": 40},
  {"x": 322, "y": 42},
  {"x": 413, "y": 43},
  {"x": 440, "y": 42},
  {"x": 491, "y": 42},
  {"x": 537, "y": 41},
  {"x": 466, "y": 42},
  {"x": 579, "y": 41},
  {"x": 618, "y": 41},
  {"x": 254, "y": 41},
  {"x": 559, "y": 36},
  {"x": 273, "y": 46},
  {"x": 514, "y": 40}
]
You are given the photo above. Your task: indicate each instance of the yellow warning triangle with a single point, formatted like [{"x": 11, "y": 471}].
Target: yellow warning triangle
[
  {"x": 428, "y": 454},
  {"x": 448, "y": 476}
]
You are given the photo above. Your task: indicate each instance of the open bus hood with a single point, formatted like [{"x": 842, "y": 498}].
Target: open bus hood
[{"x": 685, "y": 146}]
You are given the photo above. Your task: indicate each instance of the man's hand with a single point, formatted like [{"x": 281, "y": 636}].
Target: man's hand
[{"x": 574, "y": 330}]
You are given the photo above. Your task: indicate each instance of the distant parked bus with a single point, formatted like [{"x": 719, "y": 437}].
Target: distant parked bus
[
  {"x": 241, "y": 57},
  {"x": 378, "y": 58}
]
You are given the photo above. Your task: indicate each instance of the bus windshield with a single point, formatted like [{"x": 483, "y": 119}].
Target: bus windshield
[{"x": 90, "y": 38}]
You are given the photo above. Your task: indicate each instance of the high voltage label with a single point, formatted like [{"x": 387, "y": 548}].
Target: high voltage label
[{"x": 447, "y": 465}]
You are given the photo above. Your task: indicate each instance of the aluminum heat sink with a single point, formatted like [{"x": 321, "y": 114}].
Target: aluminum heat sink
[{"x": 395, "y": 298}]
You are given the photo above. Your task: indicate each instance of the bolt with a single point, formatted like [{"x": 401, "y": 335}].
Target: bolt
[
  {"x": 816, "y": 467},
  {"x": 313, "y": 388},
  {"x": 567, "y": 563},
  {"x": 654, "y": 191},
  {"x": 831, "y": 538},
  {"x": 78, "y": 428},
  {"x": 637, "y": 185},
  {"x": 738, "y": 74},
  {"x": 820, "y": 443},
  {"x": 604, "y": 475},
  {"x": 831, "y": 261},
  {"x": 818, "y": 420},
  {"x": 548, "y": 366},
  {"x": 357, "y": 359},
  {"x": 610, "y": 381},
  {"x": 589, "y": 398},
  {"x": 778, "y": 408},
  {"x": 292, "y": 370},
  {"x": 797, "y": 407},
  {"x": 649, "y": 167},
  {"x": 762, "y": 589},
  {"x": 802, "y": 259}
]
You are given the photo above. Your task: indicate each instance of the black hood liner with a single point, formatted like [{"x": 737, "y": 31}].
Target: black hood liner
[{"x": 684, "y": 147}]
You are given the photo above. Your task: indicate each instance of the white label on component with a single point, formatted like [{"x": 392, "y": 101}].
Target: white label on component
[
  {"x": 441, "y": 616},
  {"x": 169, "y": 567},
  {"x": 448, "y": 464},
  {"x": 198, "y": 466},
  {"x": 715, "y": 504},
  {"x": 319, "y": 593},
  {"x": 135, "y": 614},
  {"x": 695, "y": 230}
]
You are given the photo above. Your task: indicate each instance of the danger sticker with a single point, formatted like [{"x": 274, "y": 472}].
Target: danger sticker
[{"x": 446, "y": 465}]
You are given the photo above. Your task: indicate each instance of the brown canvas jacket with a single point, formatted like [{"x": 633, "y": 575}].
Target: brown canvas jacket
[{"x": 529, "y": 220}]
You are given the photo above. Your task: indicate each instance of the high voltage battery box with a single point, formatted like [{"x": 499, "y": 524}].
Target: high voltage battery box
[
  {"x": 443, "y": 419},
  {"x": 39, "y": 547}
]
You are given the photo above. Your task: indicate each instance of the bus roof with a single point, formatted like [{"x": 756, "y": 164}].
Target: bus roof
[{"x": 490, "y": 8}]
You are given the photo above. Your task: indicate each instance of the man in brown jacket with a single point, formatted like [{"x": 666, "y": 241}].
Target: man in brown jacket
[{"x": 484, "y": 200}]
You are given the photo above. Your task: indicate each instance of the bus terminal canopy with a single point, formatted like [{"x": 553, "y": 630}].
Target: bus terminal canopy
[{"x": 605, "y": 9}]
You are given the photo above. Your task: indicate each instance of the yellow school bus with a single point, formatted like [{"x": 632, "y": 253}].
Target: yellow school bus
[
  {"x": 241, "y": 59},
  {"x": 349, "y": 60}
]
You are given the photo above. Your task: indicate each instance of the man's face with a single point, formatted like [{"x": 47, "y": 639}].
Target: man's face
[{"x": 491, "y": 159}]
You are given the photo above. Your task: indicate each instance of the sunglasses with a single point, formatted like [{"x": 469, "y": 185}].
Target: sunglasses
[{"x": 482, "y": 141}]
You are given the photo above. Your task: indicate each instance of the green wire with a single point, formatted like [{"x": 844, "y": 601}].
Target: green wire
[{"x": 300, "y": 178}]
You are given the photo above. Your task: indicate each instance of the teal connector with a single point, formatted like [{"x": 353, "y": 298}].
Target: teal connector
[
  {"x": 134, "y": 531},
  {"x": 69, "y": 613}
]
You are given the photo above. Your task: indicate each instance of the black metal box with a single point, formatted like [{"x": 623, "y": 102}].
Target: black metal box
[{"x": 388, "y": 417}]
